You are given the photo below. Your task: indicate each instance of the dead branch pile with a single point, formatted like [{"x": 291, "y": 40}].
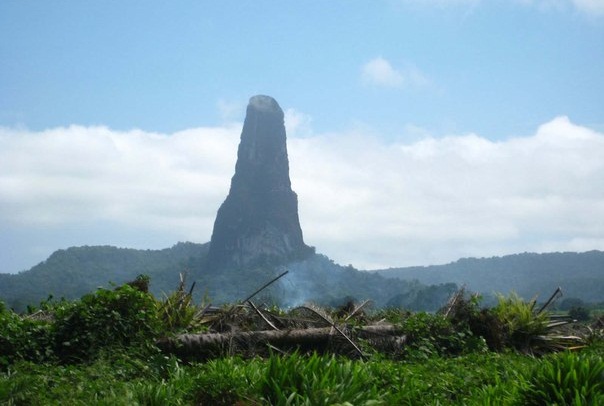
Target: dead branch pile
[
  {"x": 247, "y": 329},
  {"x": 248, "y": 343}
]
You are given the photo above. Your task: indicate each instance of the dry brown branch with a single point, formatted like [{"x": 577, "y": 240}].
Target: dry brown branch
[
  {"x": 457, "y": 296},
  {"x": 253, "y": 306},
  {"x": 229, "y": 314},
  {"x": 557, "y": 293},
  {"x": 356, "y": 347},
  {"x": 266, "y": 285},
  {"x": 357, "y": 309}
]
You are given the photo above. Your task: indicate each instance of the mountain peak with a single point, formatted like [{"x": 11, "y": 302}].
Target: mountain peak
[
  {"x": 258, "y": 221},
  {"x": 264, "y": 103}
]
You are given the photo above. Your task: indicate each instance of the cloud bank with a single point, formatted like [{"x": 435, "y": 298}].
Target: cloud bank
[{"x": 362, "y": 200}]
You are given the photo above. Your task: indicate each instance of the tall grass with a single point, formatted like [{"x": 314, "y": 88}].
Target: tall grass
[
  {"x": 566, "y": 379},
  {"x": 318, "y": 380}
]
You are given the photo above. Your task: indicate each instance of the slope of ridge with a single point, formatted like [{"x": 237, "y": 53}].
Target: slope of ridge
[
  {"x": 579, "y": 275},
  {"x": 72, "y": 272}
]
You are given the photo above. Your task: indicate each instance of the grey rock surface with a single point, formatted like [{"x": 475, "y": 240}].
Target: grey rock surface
[{"x": 258, "y": 222}]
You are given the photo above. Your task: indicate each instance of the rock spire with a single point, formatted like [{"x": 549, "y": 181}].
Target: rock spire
[{"x": 258, "y": 222}]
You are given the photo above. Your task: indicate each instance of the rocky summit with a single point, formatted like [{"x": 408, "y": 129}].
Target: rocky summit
[{"x": 258, "y": 222}]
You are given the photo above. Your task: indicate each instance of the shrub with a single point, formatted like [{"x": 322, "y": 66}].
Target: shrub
[
  {"x": 106, "y": 318},
  {"x": 486, "y": 324},
  {"x": 434, "y": 334},
  {"x": 23, "y": 338}
]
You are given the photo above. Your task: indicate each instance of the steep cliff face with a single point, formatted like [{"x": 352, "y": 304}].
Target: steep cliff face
[{"x": 258, "y": 222}]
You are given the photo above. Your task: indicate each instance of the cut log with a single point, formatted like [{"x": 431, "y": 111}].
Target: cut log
[{"x": 249, "y": 343}]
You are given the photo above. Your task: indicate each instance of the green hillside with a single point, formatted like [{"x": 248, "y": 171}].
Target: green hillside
[
  {"x": 76, "y": 271},
  {"x": 580, "y": 275}
]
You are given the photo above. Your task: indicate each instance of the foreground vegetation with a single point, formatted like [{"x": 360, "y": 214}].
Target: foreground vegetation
[
  {"x": 480, "y": 379},
  {"x": 102, "y": 349}
]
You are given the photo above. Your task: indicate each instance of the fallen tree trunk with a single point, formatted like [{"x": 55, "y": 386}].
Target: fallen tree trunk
[{"x": 249, "y": 343}]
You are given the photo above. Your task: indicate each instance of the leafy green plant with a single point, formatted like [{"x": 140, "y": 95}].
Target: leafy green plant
[
  {"x": 121, "y": 317},
  {"x": 390, "y": 314},
  {"x": 463, "y": 380},
  {"x": 14, "y": 389},
  {"x": 226, "y": 381},
  {"x": 499, "y": 393},
  {"x": 434, "y": 335},
  {"x": 317, "y": 380},
  {"x": 529, "y": 330},
  {"x": 523, "y": 325},
  {"x": 24, "y": 338},
  {"x": 178, "y": 313},
  {"x": 566, "y": 379},
  {"x": 164, "y": 392},
  {"x": 29, "y": 383}
]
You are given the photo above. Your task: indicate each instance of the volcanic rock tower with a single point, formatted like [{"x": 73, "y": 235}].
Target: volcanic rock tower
[{"x": 258, "y": 222}]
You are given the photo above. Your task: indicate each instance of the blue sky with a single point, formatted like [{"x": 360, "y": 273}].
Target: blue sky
[
  {"x": 431, "y": 77},
  {"x": 496, "y": 67}
]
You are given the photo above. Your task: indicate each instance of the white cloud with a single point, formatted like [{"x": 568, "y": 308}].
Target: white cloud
[
  {"x": 593, "y": 7},
  {"x": 362, "y": 200},
  {"x": 546, "y": 5},
  {"x": 588, "y": 7},
  {"x": 230, "y": 111},
  {"x": 298, "y": 124},
  {"x": 374, "y": 204},
  {"x": 380, "y": 72},
  {"x": 68, "y": 175}
]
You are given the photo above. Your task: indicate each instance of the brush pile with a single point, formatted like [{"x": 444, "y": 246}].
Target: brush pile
[{"x": 248, "y": 329}]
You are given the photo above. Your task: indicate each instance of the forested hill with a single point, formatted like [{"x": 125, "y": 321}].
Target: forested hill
[
  {"x": 580, "y": 275},
  {"x": 75, "y": 271}
]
